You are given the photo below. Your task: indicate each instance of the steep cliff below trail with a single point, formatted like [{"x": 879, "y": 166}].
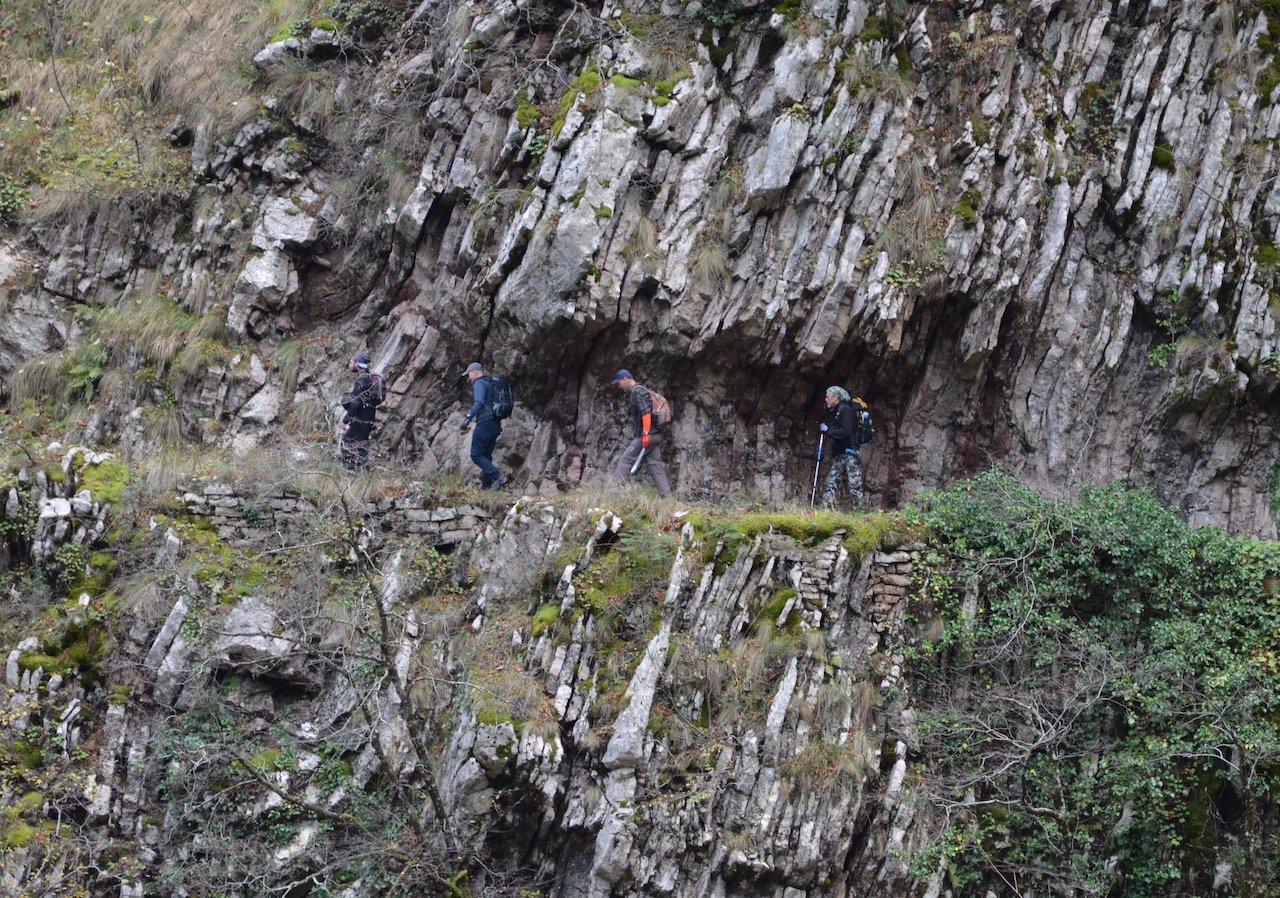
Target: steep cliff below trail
[
  {"x": 333, "y": 689},
  {"x": 1035, "y": 233}
]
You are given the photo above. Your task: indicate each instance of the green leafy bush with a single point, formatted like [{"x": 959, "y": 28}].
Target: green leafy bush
[
  {"x": 85, "y": 369},
  {"x": 719, "y": 13},
  {"x": 367, "y": 18},
  {"x": 13, "y": 197},
  {"x": 1105, "y": 686}
]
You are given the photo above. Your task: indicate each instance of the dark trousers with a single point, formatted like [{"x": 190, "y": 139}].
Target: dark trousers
[
  {"x": 483, "y": 439},
  {"x": 355, "y": 445}
]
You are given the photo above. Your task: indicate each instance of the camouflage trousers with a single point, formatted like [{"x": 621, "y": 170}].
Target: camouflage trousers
[{"x": 849, "y": 466}]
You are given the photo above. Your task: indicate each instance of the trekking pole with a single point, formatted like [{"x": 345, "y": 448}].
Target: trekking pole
[
  {"x": 639, "y": 458},
  {"x": 813, "y": 496}
]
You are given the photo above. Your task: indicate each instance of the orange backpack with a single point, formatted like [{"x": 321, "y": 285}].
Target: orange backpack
[{"x": 661, "y": 408}]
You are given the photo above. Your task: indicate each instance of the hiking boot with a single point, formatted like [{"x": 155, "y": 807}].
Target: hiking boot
[{"x": 502, "y": 481}]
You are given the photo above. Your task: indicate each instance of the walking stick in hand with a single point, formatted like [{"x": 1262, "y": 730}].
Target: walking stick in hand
[{"x": 813, "y": 496}]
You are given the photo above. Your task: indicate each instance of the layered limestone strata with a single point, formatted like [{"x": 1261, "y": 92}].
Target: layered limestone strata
[
  {"x": 744, "y": 719},
  {"x": 1036, "y": 233}
]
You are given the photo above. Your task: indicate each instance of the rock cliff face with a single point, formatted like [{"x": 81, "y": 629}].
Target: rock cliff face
[
  {"x": 612, "y": 709},
  {"x": 1039, "y": 233},
  {"x": 327, "y": 688}
]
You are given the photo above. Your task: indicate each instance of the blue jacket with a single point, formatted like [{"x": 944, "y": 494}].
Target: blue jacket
[{"x": 481, "y": 410}]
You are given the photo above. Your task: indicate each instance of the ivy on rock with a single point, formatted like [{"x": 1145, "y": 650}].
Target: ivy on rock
[{"x": 1101, "y": 710}]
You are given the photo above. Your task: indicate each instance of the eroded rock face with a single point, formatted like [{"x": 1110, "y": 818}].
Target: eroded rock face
[
  {"x": 1040, "y": 234},
  {"x": 253, "y": 638},
  {"x": 29, "y": 326},
  {"x": 993, "y": 285},
  {"x": 682, "y": 734}
]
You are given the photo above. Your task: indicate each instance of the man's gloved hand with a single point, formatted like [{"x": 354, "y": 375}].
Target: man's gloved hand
[
  {"x": 466, "y": 425},
  {"x": 822, "y": 427},
  {"x": 644, "y": 441}
]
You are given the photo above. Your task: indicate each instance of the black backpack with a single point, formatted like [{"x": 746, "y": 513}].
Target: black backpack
[
  {"x": 502, "y": 398},
  {"x": 377, "y": 392},
  {"x": 863, "y": 432}
]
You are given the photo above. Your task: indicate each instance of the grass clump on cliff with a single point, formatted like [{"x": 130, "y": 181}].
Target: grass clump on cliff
[
  {"x": 166, "y": 337},
  {"x": 1106, "y": 667},
  {"x": 139, "y": 351},
  {"x": 92, "y": 86},
  {"x": 862, "y": 533}
]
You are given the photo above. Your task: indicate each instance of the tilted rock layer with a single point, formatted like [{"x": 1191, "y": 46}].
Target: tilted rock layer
[
  {"x": 1038, "y": 233},
  {"x": 735, "y": 718}
]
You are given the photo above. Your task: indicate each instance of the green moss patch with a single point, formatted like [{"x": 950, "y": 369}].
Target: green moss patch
[
  {"x": 879, "y": 530},
  {"x": 543, "y": 618},
  {"x": 1162, "y": 154},
  {"x": 966, "y": 208},
  {"x": 625, "y": 83},
  {"x": 586, "y": 84},
  {"x": 527, "y": 114},
  {"x": 38, "y": 661},
  {"x": 106, "y": 481},
  {"x": 18, "y": 835},
  {"x": 665, "y": 87},
  {"x": 771, "y": 613}
]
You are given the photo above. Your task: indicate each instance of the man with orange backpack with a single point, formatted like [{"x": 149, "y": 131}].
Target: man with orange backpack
[{"x": 649, "y": 413}]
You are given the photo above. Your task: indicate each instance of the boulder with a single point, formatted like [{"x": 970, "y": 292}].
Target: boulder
[
  {"x": 253, "y": 638},
  {"x": 284, "y": 225}
]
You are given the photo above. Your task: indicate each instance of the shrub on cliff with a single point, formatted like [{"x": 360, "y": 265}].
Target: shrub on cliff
[
  {"x": 13, "y": 197},
  {"x": 1102, "y": 709}
]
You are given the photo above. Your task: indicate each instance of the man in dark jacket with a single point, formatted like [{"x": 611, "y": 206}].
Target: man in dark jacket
[
  {"x": 488, "y": 427},
  {"x": 844, "y": 430},
  {"x": 648, "y": 437},
  {"x": 357, "y": 423}
]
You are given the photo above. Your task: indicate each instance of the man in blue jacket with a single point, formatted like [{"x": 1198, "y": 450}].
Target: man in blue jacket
[{"x": 487, "y": 429}]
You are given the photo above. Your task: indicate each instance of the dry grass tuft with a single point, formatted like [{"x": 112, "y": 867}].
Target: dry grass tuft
[
  {"x": 142, "y": 597},
  {"x": 157, "y": 476},
  {"x": 100, "y": 80},
  {"x": 309, "y": 91},
  {"x": 310, "y": 420},
  {"x": 165, "y": 423},
  {"x": 642, "y": 244},
  {"x": 709, "y": 267},
  {"x": 153, "y": 326},
  {"x": 41, "y": 379}
]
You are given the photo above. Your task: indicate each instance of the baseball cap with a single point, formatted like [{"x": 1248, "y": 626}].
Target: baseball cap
[
  {"x": 361, "y": 359},
  {"x": 623, "y": 374},
  {"x": 474, "y": 366}
]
